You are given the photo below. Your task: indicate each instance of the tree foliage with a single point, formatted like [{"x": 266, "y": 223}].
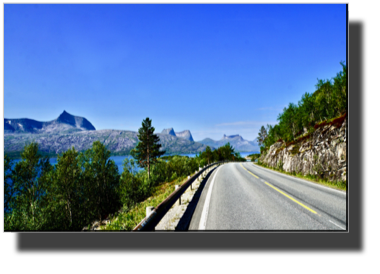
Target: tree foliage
[
  {"x": 80, "y": 188},
  {"x": 328, "y": 101},
  {"x": 148, "y": 149}
]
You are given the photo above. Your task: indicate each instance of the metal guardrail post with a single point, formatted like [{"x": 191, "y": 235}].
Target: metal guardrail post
[
  {"x": 148, "y": 210},
  {"x": 179, "y": 198}
]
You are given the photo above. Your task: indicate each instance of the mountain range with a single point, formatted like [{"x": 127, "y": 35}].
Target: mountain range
[
  {"x": 65, "y": 123},
  {"x": 68, "y": 130},
  {"x": 236, "y": 141}
]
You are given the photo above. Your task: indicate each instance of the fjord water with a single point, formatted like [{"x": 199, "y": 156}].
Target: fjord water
[{"x": 119, "y": 159}]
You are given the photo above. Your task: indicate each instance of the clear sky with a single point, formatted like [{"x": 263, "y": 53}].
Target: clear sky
[{"x": 212, "y": 69}]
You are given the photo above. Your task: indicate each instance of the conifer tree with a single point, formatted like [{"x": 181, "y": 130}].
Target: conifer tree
[
  {"x": 209, "y": 154},
  {"x": 148, "y": 149}
]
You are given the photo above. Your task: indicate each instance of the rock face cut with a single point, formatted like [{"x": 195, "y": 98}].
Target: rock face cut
[
  {"x": 186, "y": 134},
  {"x": 321, "y": 153},
  {"x": 65, "y": 123}
]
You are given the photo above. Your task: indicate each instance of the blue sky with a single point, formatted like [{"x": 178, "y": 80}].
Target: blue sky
[{"x": 212, "y": 69}]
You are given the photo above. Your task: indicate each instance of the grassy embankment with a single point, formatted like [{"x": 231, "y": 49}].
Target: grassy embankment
[{"x": 127, "y": 219}]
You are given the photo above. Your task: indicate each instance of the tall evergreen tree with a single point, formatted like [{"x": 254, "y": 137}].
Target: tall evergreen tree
[{"x": 148, "y": 149}]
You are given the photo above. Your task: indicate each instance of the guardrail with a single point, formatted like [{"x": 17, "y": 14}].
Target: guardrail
[{"x": 150, "y": 222}]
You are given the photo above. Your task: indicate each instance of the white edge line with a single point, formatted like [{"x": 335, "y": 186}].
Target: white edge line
[
  {"x": 337, "y": 225},
  {"x": 202, "y": 222},
  {"x": 304, "y": 181}
]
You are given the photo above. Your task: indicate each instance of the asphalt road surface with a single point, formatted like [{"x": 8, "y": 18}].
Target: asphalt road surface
[{"x": 244, "y": 196}]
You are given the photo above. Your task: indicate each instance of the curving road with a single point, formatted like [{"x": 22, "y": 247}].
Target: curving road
[{"x": 244, "y": 196}]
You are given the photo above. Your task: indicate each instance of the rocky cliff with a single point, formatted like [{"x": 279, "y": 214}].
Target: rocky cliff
[
  {"x": 169, "y": 131},
  {"x": 322, "y": 152},
  {"x": 186, "y": 134}
]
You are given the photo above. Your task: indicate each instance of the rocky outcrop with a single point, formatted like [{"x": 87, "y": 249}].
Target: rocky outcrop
[
  {"x": 186, "y": 134},
  {"x": 169, "y": 131},
  {"x": 321, "y": 153}
]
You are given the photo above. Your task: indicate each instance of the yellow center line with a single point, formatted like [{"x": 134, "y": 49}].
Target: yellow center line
[
  {"x": 249, "y": 171},
  {"x": 294, "y": 200},
  {"x": 286, "y": 195}
]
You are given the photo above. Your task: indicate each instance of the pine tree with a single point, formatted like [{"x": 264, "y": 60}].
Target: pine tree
[
  {"x": 262, "y": 136},
  {"x": 148, "y": 149}
]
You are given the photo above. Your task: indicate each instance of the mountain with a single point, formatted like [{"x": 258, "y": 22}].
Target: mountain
[
  {"x": 169, "y": 131},
  {"x": 119, "y": 142},
  {"x": 69, "y": 131},
  {"x": 65, "y": 123},
  {"x": 236, "y": 141},
  {"x": 186, "y": 134}
]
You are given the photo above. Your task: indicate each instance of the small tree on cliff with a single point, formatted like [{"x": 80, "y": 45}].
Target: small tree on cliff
[
  {"x": 263, "y": 134},
  {"x": 148, "y": 149}
]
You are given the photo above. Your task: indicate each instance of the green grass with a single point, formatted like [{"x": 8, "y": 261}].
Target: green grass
[
  {"x": 130, "y": 218},
  {"x": 340, "y": 185}
]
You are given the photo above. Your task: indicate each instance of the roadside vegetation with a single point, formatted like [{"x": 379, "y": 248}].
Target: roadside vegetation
[
  {"x": 327, "y": 103},
  {"x": 326, "y": 106},
  {"x": 84, "y": 187}
]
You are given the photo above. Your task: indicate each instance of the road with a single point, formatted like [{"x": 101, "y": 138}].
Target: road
[{"x": 244, "y": 196}]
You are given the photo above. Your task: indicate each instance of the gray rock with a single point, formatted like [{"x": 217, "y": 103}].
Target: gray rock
[
  {"x": 314, "y": 156},
  {"x": 169, "y": 131},
  {"x": 186, "y": 134}
]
